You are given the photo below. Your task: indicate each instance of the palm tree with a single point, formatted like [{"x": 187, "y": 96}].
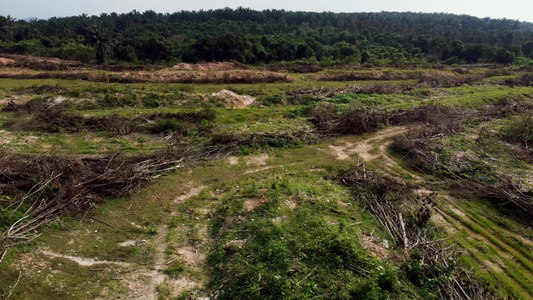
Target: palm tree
[
  {"x": 27, "y": 30},
  {"x": 6, "y": 28},
  {"x": 101, "y": 43}
]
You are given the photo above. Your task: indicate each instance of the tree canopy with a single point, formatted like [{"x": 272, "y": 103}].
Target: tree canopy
[{"x": 259, "y": 37}]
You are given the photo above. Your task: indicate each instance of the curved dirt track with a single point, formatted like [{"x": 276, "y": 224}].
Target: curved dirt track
[{"x": 374, "y": 149}]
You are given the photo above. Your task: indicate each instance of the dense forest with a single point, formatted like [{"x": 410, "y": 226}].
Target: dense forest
[{"x": 271, "y": 36}]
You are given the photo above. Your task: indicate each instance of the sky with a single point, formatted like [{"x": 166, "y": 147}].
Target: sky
[{"x": 511, "y": 9}]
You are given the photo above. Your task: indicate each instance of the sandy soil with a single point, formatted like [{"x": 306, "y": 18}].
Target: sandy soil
[
  {"x": 257, "y": 160},
  {"x": 231, "y": 100},
  {"x": 206, "y": 67},
  {"x": 82, "y": 261}
]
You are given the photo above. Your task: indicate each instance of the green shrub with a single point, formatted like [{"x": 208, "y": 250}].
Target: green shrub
[
  {"x": 519, "y": 130},
  {"x": 112, "y": 100},
  {"x": 8, "y": 217},
  {"x": 153, "y": 101},
  {"x": 169, "y": 125},
  {"x": 174, "y": 269},
  {"x": 275, "y": 99}
]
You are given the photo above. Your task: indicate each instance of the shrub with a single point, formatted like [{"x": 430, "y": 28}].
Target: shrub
[
  {"x": 152, "y": 101},
  {"x": 112, "y": 100},
  {"x": 169, "y": 125},
  {"x": 276, "y": 99},
  {"x": 174, "y": 269},
  {"x": 520, "y": 131}
]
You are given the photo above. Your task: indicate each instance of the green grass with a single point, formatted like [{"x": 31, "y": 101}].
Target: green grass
[{"x": 479, "y": 251}]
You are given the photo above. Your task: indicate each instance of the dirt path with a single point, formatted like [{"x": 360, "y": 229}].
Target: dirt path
[
  {"x": 370, "y": 148},
  {"x": 144, "y": 283},
  {"x": 374, "y": 149}
]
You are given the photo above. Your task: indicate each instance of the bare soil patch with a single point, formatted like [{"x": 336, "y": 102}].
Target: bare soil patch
[
  {"x": 258, "y": 160},
  {"x": 82, "y": 261},
  {"x": 233, "y": 160},
  {"x": 192, "y": 193},
  {"x": 252, "y": 204},
  {"x": 341, "y": 152},
  {"x": 218, "y": 66},
  {"x": 6, "y": 61},
  {"x": 142, "y": 284},
  {"x": 371, "y": 148},
  {"x": 5, "y": 137},
  {"x": 191, "y": 256},
  {"x": 375, "y": 246}
]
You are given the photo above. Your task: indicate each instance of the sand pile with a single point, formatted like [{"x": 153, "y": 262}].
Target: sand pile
[
  {"x": 232, "y": 100},
  {"x": 219, "y": 66}
]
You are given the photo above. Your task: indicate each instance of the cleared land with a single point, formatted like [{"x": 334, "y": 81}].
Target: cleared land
[{"x": 369, "y": 184}]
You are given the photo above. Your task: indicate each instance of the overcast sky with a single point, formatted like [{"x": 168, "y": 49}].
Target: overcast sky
[{"x": 511, "y": 9}]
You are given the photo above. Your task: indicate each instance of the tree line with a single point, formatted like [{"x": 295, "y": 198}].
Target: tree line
[{"x": 271, "y": 36}]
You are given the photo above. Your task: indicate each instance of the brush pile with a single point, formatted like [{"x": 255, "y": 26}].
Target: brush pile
[
  {"x": 405, "y": 216},
  {"x": 363, "y": 120},
  {"x": 415, "y": 148},
  {"x": 56, "y": 119},
  {"x": 39, "y": 189},
  {"x": 230, "y": 142}
]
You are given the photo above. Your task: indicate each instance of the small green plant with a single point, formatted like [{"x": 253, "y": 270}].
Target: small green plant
[
  {"x": 170, "y": 125},
  {"x": 174, "y": 223},
  {"x": 112, "y": 100},
  {"x": 174, "y": 269},
  {"x": 275, "y": 99},
  {"x": 152, "y": 101}
]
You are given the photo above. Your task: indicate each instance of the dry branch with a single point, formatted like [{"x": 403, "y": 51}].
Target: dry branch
[{"x": 68, "y": 185}]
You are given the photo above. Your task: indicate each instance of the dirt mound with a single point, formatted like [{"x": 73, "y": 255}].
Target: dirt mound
[
  {"x": 219, "y": 66},
  {"x": 6, "y": 61},
  {"x": 231, "y": 100},
  {"x": 39, "y": 63}
]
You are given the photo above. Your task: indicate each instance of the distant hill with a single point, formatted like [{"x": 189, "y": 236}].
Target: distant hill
[{"x": 271, "y": 36}]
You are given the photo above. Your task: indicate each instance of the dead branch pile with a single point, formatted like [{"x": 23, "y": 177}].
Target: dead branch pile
[
  {"x": 524, "y": 80},
  {"x": 446, "y": 82},
  {"x": 127, "y": 67},
  {"x": 505, "y": 193},
  {"x": 360, "y": 120},
  {"x": 439, "y": 78},
  {"x": 431, "y": 257},
  {"x": 367, "y": 89},
  {"x": 58, "y": 118},
  {"x": 385, "y": 197},
  {"x": 230, "y": 142},
  {"x": 12, "y": 106},
  {"x": 415, "y": 148},
  {"x": 189, "y": 117},
  {"x": 438, "y": 121},
  {"x": 159, "y": 76},
  {"x": 300, "y": 68},
  {"x": 48, "y": 186}
]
